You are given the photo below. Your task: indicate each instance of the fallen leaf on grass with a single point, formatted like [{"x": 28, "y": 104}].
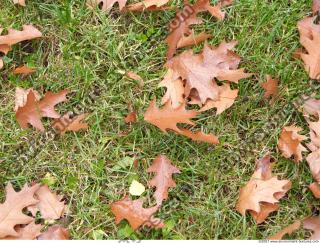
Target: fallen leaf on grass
[
  {"x": 135, "y": 77},
  {"x": 262, "y": 193},
  {"x": 66, "y": 123},
  {"x": 1, "y": 63},
  {"x": 289, "y": 143},
  {"x": 287, "y": 230},
  {"x": 315, "y": 6},
  {"x": 21, "y": 97},
  {"x": 28, "y": 232},
  {"x": 136, "y": 215},
  {"x": 313, "y": 224},
  {"x": 193, "y": 39},
  {"x": 11, "y": 213},
  {"x": 167, "y": 118},
  {"x": 20, "y": 2},
  {"x": 136, "y": 188},
  {"x": 164, "y": 170},
  {"x": 147, "y": 5},
  {"x": 55, "y": 232},
  {"x": 15, "y": 36},
  {"x": 270, "y": 87},
  {"x": 315, "y": 188},
  {"x": 311, "y": 106},
  {"x": 131, "y": 117},
  {"x": 105, "y": 5},
  {"x": 24, "y": 70}
]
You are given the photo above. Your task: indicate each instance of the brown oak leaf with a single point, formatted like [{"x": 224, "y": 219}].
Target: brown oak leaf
[
  {"x": 313, "y": 224},
  {"x": 49, "y": 204},
  {"x": 20, "y": 2},
  {"x": 131, "y": 117},
  {"x": 136, "y": 215},
  {"x": 193, "y": 39},
  {"x": 289, "y": 143},
  {"x": 14, "y": 36},
  {"x": 23, "y": 70},
  {"x": 106, "y": 5},
  {"x": 262, "y": 193},
  {"x": 270, "y": 87},
  {"x": 55, "y": 232},
  {"x": 287, "y": 230},
  {"x": 135, "y": 77},
  {"x": 164, "y": 170},
  {"x": 167, "y": 118},
  {"x": 11, "y": 214},
  {"x": 66, "y": 123},
  {"x": 147, "y": 5},
  {"x": 315, "y": 6},
  {"x": 311, "y": 106},
  {"x": 21, "y": 97},
  {"x": 28, "y": 232},
  {"x": 315, "y": 189}
]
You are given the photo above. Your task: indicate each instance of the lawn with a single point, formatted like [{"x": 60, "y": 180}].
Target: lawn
[{"x": 88, "y": 50}]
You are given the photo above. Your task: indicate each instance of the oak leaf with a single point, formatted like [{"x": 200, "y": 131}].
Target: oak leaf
[
  {"x": 193, "y": 39},
  {"x": 311, "y": 106},
  {"x": 164, "y": 170},
  {"x": 147, "y": 5},
  {"x": 315, "y": 6},
  {"x": 315, "y": 189},
  {"x": 11, "y": 213},
  {"x": 131, "y": 117},
  {"x": 135, "y": 77},
  {"x": 136, "y": 215},
  {"x": 23, "y": 70},
  {"x": 289, "y": 143},
  {"x": 262, "y": 193},
  {"x": 167, "y": 118},
  {"x": 310, "y": 40},
  {"x": 313, "y": 224},
  {"x": 14, "y": 36},
  {"x": 66, "y": 123},
  {"x": 1, "y": 63},
  {"x": 49, "y": 204},
  {"x": 270, "y": 87},
  {"x": 21, "y": 97},
  {"x": 55, "y": 232},
  {"x": 287, "y": 230},
  {"x": 20, "y": 2},
  {"x": 28, "y": 232}
]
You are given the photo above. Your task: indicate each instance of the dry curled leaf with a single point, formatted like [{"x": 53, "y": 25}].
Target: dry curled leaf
[
  {"x": 135, "y": 77},
  {"x": 310, "y": 40},
  {"x": 287, "y": 230},
  {"x": 311, "y": 106},
  {"x": 315, "y": 6},
  {"x": 15, "y": 36},
  {"x": 147, "y": 5},
  {"x": 28, "y": 232},
  {"x": 164, "y": 170},
  {"x": 136, "y": 215},
  {"x": 34, "y": 110},
  {"x": 313, "y": 224},
  {"x": 262, "y": 193},
  {"x": 23, "y": 70},
  {"x": 55, "y": 232},
  {"x": 270, "y": 87},
  {"x": 11, "y": 214},
  {"x": 193, "y": 39},
  {"x": 66, "y": 123},
  {"x": 185, "y": 18},
  {"x": 315, "y": 188},
  {"x": 1, "y": 63},
  {"x": 167, "y": 118},
  {"x": 199, "y": 72},
  {"x": 21, "y": 97},
  {"x": 50, "y": 205},
  {"x": 289, "y": 143}
]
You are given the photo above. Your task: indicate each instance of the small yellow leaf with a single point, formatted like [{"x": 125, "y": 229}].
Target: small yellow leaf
[{"x": 136, "y": 188}]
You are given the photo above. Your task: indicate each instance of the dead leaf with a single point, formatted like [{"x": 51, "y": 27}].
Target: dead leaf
[
  {"x": 200, "y": 70},
  {"x": 289, "y": 143},
  {"x": 135, "y": 77},
  {"x": 105, "y": 5},
  {"x": 49, "y": 101},
  {"x": 55, "y": 232},
  {"x": 311, "y": 106},
  {"x": 199, "y": 136},
  {"x": 315, "y": 188},
  {"x": 147, "y": 5},
  {"x": 313, "y": 160},
  {"x": 185, "y": 18},
  {"x": 226, "y": 98},
  {"x": 262, "y": 193},
  {"x": 315, "y": 6},
  {"x": 136, "y": 215},
  {"x": 270, "y": 87},
  {"x": 313, "y": 224},
  {"x": 50, "y": 205},
  {"x": 21, "y": 97},
  {"x": 131, "y": 117},
  {"x": 164, "y": 170},
  {"x": 193, "y": 39},
  {"x": 20, "y": 2},
  {"x": 5, "y": 49},
  {"x": 14, "y": 36},
  {"x": 167, "y": 118},
  {"x": 287, "y": 230},
  {"x": 310, "y": 40},
  {"x": 28, "y": 232},
  {"x": 65, "y": 123},
  {"x": 1, "y": 63},
  {"x": 23, "y": 70},
  {"x": 11, "y": 213}
]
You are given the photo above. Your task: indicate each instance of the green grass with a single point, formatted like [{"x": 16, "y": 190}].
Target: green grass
[{"x": 83, "y": 49}]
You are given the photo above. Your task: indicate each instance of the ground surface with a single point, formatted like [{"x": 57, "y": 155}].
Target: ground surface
[{"x": 85, "y": 50}]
